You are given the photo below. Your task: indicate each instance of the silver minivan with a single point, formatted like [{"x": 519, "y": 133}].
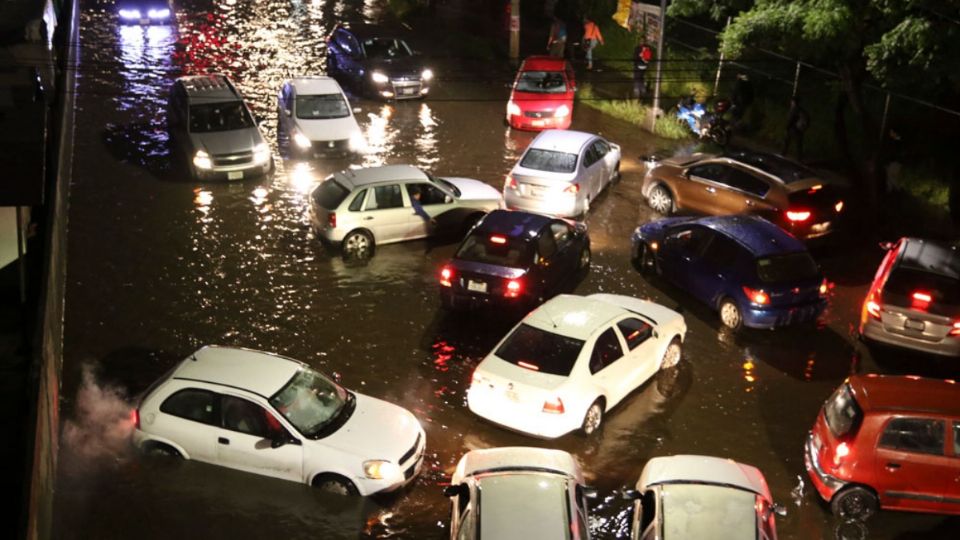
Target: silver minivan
[{"x": 360, "y": 208}]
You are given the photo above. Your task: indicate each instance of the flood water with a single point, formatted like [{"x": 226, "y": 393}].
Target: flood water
[{"x": 159, "y": 265}]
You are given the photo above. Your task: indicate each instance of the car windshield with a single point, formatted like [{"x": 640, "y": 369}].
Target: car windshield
[
  {"x": 211, "y": 117},
  {"x": 385, "y": 48},
  {"x": 482, "y": 247},
  {"x": 540, "y": 350},
  {"x": 541, "y": 82},
  {"x": 841, "y": 411},
  {"x": 904, "y": 282},
  {"x": 787, "y": 268},
  {"x": 310, "y": 401},
  {"x": 322, "y": 107},
  {"x": 708, "y": 511},
  {"x": 449, "y": 185},
  {"x": 549, "y": 161}
]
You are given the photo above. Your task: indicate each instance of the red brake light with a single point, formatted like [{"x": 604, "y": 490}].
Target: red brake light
[
  {"x": 135, "y": 416},
  {"x": 528, "y": 365},
  {"x": 955, "y": 331},
  {"x": 446, "y": 276},
  {"x": 798, "y": 216},
  {"x": 872, "y": 305},
  {"x": 553, "y": 405},
  {"x": 514, "y": 287},
  {"x": 757, "y": 296},
  {"x": 332, "y": 220},
  {"x": 572, "y": 188},
  {"x": 921, "y": 300},
  {"x": 511, "y": 183},
  {"x": 496, "y": 239}
]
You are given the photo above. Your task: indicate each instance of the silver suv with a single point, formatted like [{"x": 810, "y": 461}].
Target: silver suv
[
  {"x": 213, "y": 129},
  {"x": 360, "y": 208}
]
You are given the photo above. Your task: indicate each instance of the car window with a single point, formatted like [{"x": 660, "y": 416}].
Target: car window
[
  {"x": 540, "y": 350},
  {"x": 546, "y": 245},
  {"x": 429, "y": 194},
  {"x": 602, "y": 148},
  {"x": 722, "y": 252},
  {"x": 213, "y": 117},
  {"x": 746, "y": 182},
  {"x": 634, "y": 331},
  {"x": 918, "y": 435},
  {"x": 690, "y": 241},
  {"x": 322, "y": 107},
  {"x": 192, "y": 404},
  {"x": 357, "y": 203},
  {"x": 549, "y": 161},
  {"x": 345, "y": 40},
  {"x": 562, "y": 233},
  {"x": 648, "y": 509},
  {"x": 541, "y": 82},
  {"x": 384, "y": 48},
  {"x": 606, "y": 351},
  {"x": 248, "y": 417},
  {"x": 590, "y": 156},
  {"x": 500, "y": 250},
  {"x": 384, "y": 197},
  {"x": 903, "y": 282},
  {"x": 787, "y": 268},
  {"x": 330, "y": 194},
  {"x": 842, "y": 412},
  {"x": 709, "y": 171}
]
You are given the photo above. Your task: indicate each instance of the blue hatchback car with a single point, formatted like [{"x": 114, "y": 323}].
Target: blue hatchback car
[{"x": 751, "y": 271}]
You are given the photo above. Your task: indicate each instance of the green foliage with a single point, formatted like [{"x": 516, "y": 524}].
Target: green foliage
[{"x": 668, "y": 127}]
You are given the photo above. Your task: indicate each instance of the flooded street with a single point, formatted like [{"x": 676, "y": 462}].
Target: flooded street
[{"x": 160, "y": 265}]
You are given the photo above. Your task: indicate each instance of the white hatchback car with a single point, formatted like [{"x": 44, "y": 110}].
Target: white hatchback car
[
  {"x": 315, "y": 116},
  {"x": 266, "y": 414},
  {"x": 361, "y": 208},
  {"x": 573, "y": 359},
  {"x": 680, "y": 497},
  {"x": 561, "y": 172},
  {"x": 528, "y": 494}
]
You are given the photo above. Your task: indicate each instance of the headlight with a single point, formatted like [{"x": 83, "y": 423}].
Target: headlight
[
  {"x": 301, "y": 140},
  {"x": 562, "y": 111},
  {"x": 513, "y": 109},
  {"x": 261, "y": 153},
  {"x": 129, "y": 13},
  {"x": 158, "y": 13},
  {"x": 357, "y": 142},
  {"x": 201, "y": 160},
  {"x": 379, "y": 469},
  {"x": 379, "y": 77},
  {"x": 426, "y": 75}
]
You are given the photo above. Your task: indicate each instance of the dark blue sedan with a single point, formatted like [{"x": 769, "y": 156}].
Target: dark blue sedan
[
  {"x": 751, "y": 271},
  {"x": 514, "y": 258}
]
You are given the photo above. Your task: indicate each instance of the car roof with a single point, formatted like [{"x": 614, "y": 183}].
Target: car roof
[
  {"x": 364, "y": 176},
  {"x": 758, "y": 235},
  {"x": 543, "y": 63},
  {"x": 255, "y": 371},
  {"x": 212, "y": 86},
  {"x": 562, "y": 140},
  {"x": 781, "y": 168},
  {"x": 906, "y": 393},
  {"x": 574, "y": 316},
  {"x": 932, "y": 256},
  {"x": 512, "y": 223},
  {"x": 688, "y": 469},
  {"x": 315, "y": 85},
  {"x": 366, "y": 31},
  {"x": 524, "y": 505}
]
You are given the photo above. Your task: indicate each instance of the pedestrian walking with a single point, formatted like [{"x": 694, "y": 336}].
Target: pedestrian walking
[
  {"x": 591, "y": 38},
  {"x": 797, "y": 122},
  {"x": 557, "y": 42},
  {"x": 642, "y": 54}
]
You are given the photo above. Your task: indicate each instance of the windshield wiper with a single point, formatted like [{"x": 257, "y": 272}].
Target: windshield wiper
[{"x": 337, "y": 420}]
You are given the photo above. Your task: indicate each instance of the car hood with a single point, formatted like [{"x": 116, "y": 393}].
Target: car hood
[
  {"x": 227, "y": 142},
  {"x": 703, "y": 470},
  {"x": 407, "y": 66},
  {"x": 332, "y": 129},
  {"x": 518, "y": 458},
  {"x": 377, "y": 429},
  {"x": 655, "y": 229},
  {"x": 471, "y": 189}
]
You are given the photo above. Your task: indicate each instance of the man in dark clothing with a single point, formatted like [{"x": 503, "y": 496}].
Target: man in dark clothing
[
  {"x": 642, "y": 54},
  {"x": 797, "y": 122},
  {"x": 742, "y": 96},
  {"x": 418, "y": 208}
]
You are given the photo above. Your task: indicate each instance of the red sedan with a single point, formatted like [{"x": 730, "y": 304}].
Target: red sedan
[{"x": 542, "y": 96}]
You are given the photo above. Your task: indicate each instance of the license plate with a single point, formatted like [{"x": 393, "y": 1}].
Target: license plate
[
  {"x": 235, "y": 175},
  {"x": 408, "y": 91},
  {"x": 537, "y": 192},
  {"x": 538, "y": 123},
  {"x": 911, "y": 324},
  {"x": 476, "y": 286}
]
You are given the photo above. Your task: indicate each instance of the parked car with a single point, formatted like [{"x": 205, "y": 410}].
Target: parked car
[
  {"x": 377, "y": 62},
  {"x": 514, "y": 258},
  {"x": 681, "y": 497},
  {"x": 315, "y": 118},
  {"x": 573, "y": 359},
  {"x": 267, "y": 414},
  {"x": 528, "y": 493},
  {"x": 542, "y": 95},
  {"x": 361, "y": 208},
  {"x": 144, "y": 12},
  {"x": 214, "y": 131},
  {"x": 751, "y": 271},
  {"x": 561, "y": 172},
  {"x": 914, "y": 301},
  {"x": 890, "y": 442},
  {"x": 746, "y": 182}
]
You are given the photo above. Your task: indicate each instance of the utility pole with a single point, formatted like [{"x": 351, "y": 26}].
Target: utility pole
[
  {"x": 656, "y": 86},
  {"x": 514, "y": 31}
]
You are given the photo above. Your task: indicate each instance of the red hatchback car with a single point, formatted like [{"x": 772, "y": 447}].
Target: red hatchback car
[
  {"x": 888, "y": 442},
  {"x": 542, "y": 96}
]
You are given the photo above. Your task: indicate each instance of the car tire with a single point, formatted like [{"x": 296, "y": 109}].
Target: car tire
[
  {"x": 661, "y": 201},
  {"x": 335, "y": 484},
  {"x": 673, "y": 354},
  {"x": 593, "y": 418},
  {"x": 357, "y": 243},
  {"x": 616, "y": 174},
  {"x": 583, "y": 263},
  {"x": 645, "y": 261},
  {"x": 730, "y": 314},
  {"x": 161, "y": 450},
  {"x": 854, "y": 503}
]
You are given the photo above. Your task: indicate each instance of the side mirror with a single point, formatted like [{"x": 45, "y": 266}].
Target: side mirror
[
  {"x": 590, "y": 492},
  {"x": 278, "y": 442},
  {"x": 454, "y": 490},
  {"x": 447, "y": 199},
  {"x": 631, "y": 495}
]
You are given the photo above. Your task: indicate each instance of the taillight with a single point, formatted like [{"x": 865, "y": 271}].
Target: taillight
[
  {"x": 514, "y": 288},
  {"x": 332, "y": 220},
  {"x": 872, "y": 305},
  {"x": 572, "y": 188},
  {"x": 135, "y": 416},
  {"x": 553, "y": 405},
  {"x": 446, "y": 276},
  {"x": 920, "y": 300},
  {"x": 798, "y": 216},
  {"x": 510, "y": 183},
  {"x": 824, "y": 287},
  {"x": 757, "y": 296},
  {"x": 955, "y": 331}
]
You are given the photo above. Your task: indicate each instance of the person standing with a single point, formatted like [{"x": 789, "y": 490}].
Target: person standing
[
  {"x": 557, "y": 42},
  {"x": 797, "y": 123},
  {"x": 642, "y": 54},
  {"x": 591, "y": 37},
  {"x": 742, "y": 97}
]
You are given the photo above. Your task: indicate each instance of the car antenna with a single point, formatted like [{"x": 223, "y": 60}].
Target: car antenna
[{"x": 549, "y": 315}]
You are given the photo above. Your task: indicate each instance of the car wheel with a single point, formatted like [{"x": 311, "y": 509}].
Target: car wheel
[
  {"x": 730, "y": 314},
  {"x": 856, "y": 502},
  {"x": 584, "y": 261},
  {"x": 160, "y": 450},
  {"x": 671, "y": 357},
  {"x": 593, "y": 419},
  {"x": 644, "y": 262},
  {"x": 661, "y": 201},
  {"x": 357, "y": 243},
  {"x": 335, "y": 484},
  {"x": 616, "y": 174}
]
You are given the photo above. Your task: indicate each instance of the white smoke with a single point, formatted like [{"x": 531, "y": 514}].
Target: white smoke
[{"x": 102, "y": 420}]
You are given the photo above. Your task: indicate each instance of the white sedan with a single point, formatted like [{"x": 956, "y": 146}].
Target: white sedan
[
  {"x": 561, "y": 172},
  {"x": 315, "y": 117},
  {"x": 573, "y": 359},
  {"x": 270, "y": 415}
]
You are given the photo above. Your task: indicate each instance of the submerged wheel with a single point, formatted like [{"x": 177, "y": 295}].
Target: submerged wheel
[
  {"x": 357, "y": 243},
  {"x": 338, "y": 485},
  {"x": 671, "y": 357},
  {"x": 161, "y": 450},
  {"x": 857, "y": 503},
  {"x": 730, "y": 314},
  {"x": 660, "y": 200},
  {"x": 585, "y": 256},
  {"x": 593, "y": 419}
]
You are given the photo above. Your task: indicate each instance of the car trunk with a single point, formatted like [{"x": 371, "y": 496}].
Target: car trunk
[
  {"x": 790, "y": 279},
  {"x": 527, "y": 388},
  {"x": 920, "y": 304}
]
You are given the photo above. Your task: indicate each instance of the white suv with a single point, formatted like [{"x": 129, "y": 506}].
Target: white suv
[
  {"x": 316, "y": 119},
  {"x": 270, "y": 415}
]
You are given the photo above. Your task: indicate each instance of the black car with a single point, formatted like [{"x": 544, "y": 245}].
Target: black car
[
  {"x": 377, "y": 63},
  {"x": 515, "y": 258}
]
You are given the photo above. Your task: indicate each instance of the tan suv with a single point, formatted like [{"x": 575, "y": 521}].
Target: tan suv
[{"x": 742, "y": 182}]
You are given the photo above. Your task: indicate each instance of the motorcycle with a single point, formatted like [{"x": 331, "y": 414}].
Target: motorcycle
[{"x": 703, "y": 123}]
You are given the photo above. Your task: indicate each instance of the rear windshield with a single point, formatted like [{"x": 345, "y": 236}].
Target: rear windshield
[
  {"x": 549, "y": 161},
  {"x": 904, "y": 282},
  {"x": 211, "y": 117},
  {"x": 330, "y": 194},
  {"x": 821, "y": 199},
  {"x": 787, "y": 268},
  {"x": 540, "y": 350},
  {"x": 541, "y": 82},
  {"x": 481, "y": 247},
  {"x": 842, "y": 412},
  {"x": 322, "y": 107}
]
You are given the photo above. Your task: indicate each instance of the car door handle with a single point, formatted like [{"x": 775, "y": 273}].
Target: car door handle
[
  {"x": 368, "y": 218},
  {"x": 893, "y": 466},
  {"x": 711, "y": 189},
  {"x": 223, "y": 440}
]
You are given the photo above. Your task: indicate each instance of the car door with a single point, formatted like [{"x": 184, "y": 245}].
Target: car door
[
  {"x": 745, "y": 193},
  {"x": 642, "y": 359},
  {"x": 607, "y": 162},
  {"x": 191, "y": 419},
  {"x": 385, "y": 213},
  {"x": 434, "y": 201},
  {"x": 679, "y": 256},
  {"x": 590, "y": 172},
  {"x": 549, "y": 265},
  {"x": 568, "y": 254},
  {"x": 721, "y": 265},
  {"x": 245, "y": 441},
  {"x": 699, "y": 192},
  {"x": 608, "y": 369},
  {"x": 911, "y": 463}
]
